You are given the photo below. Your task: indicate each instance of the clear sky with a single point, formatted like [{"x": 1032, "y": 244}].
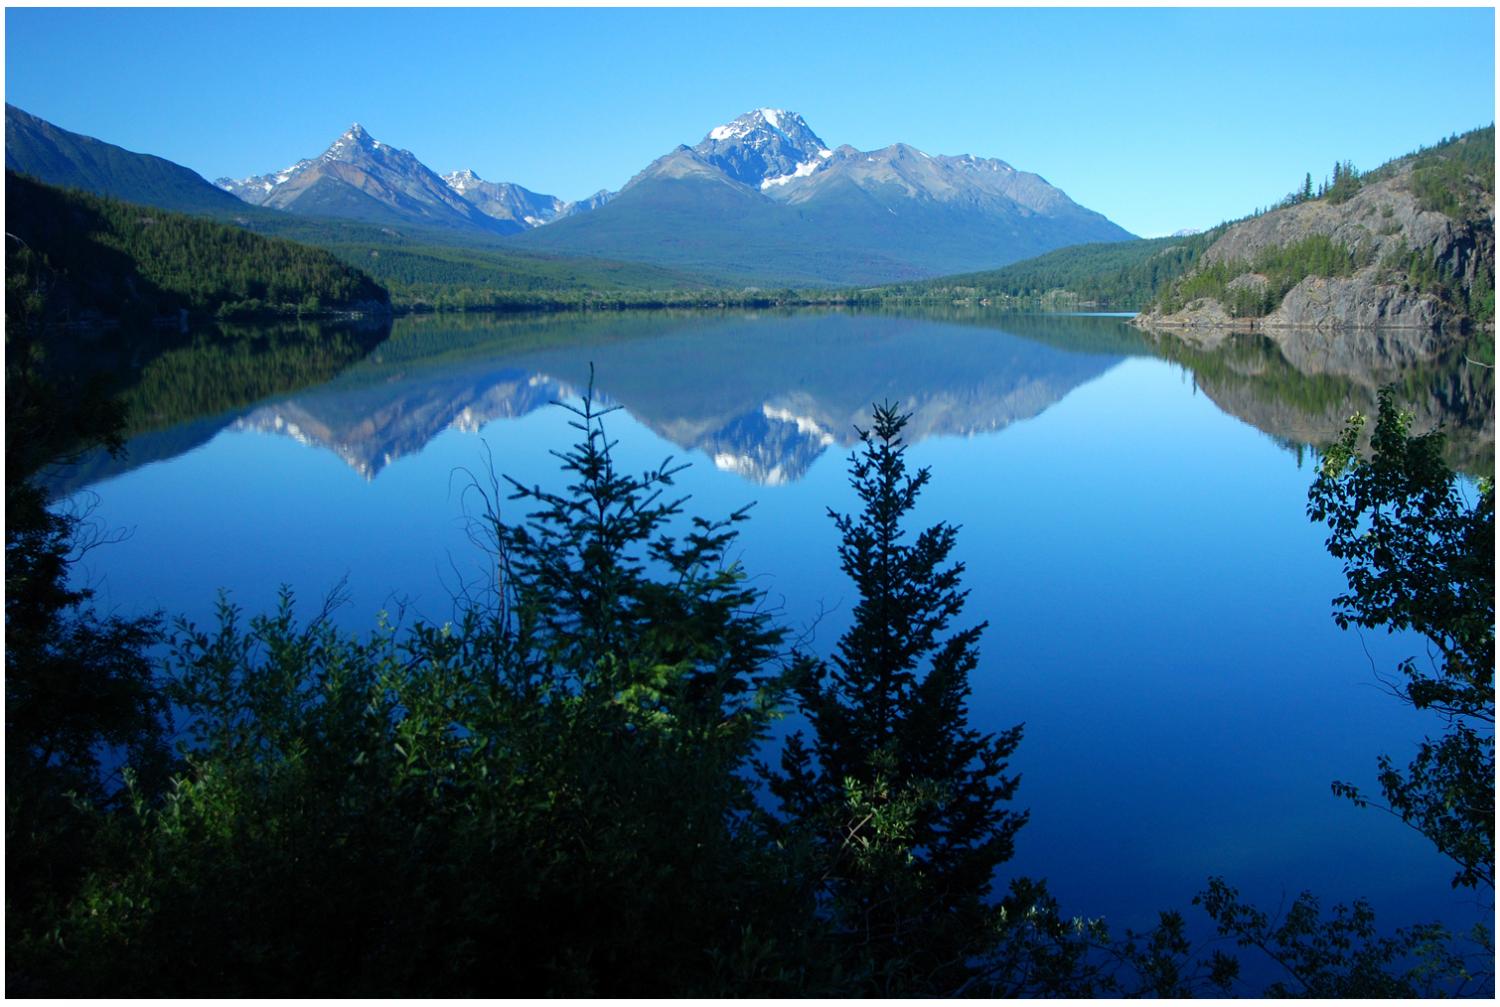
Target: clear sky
[{"x": 1160, "y": 119}]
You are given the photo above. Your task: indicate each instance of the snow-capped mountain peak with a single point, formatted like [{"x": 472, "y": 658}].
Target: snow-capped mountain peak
[
  {"x": 463, "y": 181},
  {"x": 388, "y": 185},
  {"x": 507, "y": 202},
  {"x": 764, "y": 147},
  {"x": 355, "y": 139}
]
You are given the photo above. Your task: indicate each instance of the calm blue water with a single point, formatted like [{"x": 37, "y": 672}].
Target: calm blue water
[{"x": 1158, "y": 603}]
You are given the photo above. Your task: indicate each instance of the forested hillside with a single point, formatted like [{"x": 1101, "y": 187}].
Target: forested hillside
[
  {"x": 439, "y": 276},
  {"x": 1118, "y": 275},
  {"x": 95, "y": 257}
]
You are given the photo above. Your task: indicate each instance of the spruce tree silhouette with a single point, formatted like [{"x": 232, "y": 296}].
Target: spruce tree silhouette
[{"x": 908, "y": 799}]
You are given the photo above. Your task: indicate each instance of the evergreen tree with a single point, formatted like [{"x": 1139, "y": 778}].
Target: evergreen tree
[{"x": 905, "y": 798}]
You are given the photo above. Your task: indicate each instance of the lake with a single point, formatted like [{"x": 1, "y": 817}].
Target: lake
[{"x": 1133, "y": 521}]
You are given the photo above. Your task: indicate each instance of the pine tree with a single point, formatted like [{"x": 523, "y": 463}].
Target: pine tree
[{"x": 908, "y": 799}]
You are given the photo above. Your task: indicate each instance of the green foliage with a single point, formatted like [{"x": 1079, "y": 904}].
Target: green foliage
[
  {"x": 467, "y": 279},
  {"x": 1119, "y": 275},
  {"x": 127, "y": 262},
  {"x": 1344, "y": 955},
  {"x": 1449, "y": 177},
  {"x": 78, "y": 685},
  {"x": 1346, "y": 182},
  {"x": 546, "y": 796},
  {"x": 1278, "y": 269},
  {"x": 1419, "y": 554},
  {"x": 905, "y": 799}
]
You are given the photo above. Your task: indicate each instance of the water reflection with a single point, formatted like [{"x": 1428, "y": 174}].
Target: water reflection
[
  {"x": 1158, "y": 601},
  {"x": 763, "y": 395},
  {"x": 180, "y": 390},
  {"x": 1302, "y": 388}
]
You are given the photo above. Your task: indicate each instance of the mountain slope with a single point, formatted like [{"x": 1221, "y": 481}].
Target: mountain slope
[
  {"x": 58, "y": 157},
  {"x": 762, "y": 199},
  {"x": 504, "y": 201},
  {"x": 684, "y": 212}
]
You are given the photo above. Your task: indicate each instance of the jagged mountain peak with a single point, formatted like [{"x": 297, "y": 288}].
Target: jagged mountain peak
[
  {"x": 361, "y": 178},
  {"x": 777, "y": 119},
  {"x": 463, "y": 180},
  {"x": 355, "y": 141},
  {"x": 508, "y": 202},
  {"x": 764, "y": 148}
]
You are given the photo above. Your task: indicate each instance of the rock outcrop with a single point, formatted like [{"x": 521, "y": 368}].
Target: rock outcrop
[{"x": 1388, "y": 229}]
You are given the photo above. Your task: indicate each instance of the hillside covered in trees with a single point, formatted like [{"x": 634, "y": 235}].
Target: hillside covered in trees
[
  {"x": 101, "y": 258},
  {"x": 1116, "y": 275}
]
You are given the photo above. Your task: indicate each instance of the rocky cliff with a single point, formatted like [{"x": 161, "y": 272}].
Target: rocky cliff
[{"x": 1413, "y": 247}]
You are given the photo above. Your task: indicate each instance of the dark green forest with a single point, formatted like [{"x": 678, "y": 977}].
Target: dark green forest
[
  {"x": 103, "y": 259},
  {"x": 1119, "y": 275}
]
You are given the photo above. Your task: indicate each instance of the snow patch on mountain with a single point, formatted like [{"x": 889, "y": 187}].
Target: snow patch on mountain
[{"x": 803, "y": 170}]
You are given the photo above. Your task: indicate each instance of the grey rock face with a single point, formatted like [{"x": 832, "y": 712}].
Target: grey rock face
[
  {"x": 1385, "y": 226},
  {"x": 505, "y": 201},
  {"x": 1354, "y": 301},
  {"x": 593, "y": 202}
]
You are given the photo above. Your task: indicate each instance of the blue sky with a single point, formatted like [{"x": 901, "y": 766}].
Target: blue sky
[{"x": 1160, "y": 119}]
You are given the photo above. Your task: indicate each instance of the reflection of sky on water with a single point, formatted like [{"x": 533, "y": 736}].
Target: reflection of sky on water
[{"x": 1158, "y": 603}]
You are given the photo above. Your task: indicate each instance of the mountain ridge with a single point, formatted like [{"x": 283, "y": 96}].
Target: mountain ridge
[
  {"x": 396, "y": 185},
  {"x": 760, "y": 200},
  {"x": 763, "y": 198},
  {"x": 58, "y": 157}
]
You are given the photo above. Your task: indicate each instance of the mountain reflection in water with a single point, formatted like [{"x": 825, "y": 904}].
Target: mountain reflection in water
[
  {"x": 760, "y": 395},
  {"x": 764, "y": 395}
]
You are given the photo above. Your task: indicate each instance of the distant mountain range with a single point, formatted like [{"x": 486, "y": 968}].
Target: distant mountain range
[{"x": 761, "y": 199}]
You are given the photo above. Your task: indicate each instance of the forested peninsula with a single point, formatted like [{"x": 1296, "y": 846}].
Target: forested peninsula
[{"x": 98, "y": 259}]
